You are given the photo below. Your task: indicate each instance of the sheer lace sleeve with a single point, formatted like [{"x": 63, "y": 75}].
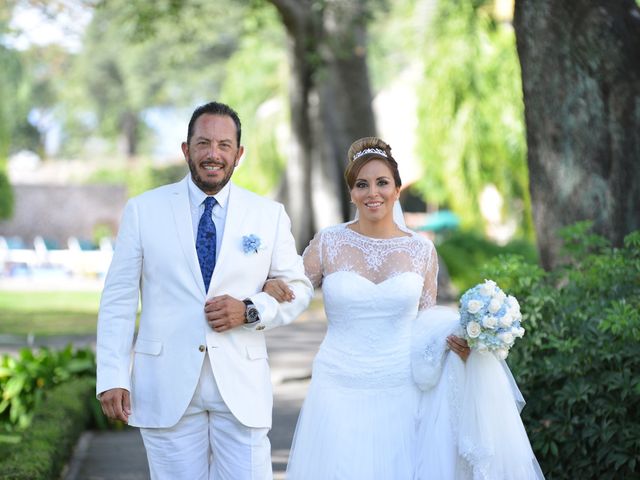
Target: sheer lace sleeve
[
  {"x": 430, "y": 287},
  {"x": 312, "y": 257}
]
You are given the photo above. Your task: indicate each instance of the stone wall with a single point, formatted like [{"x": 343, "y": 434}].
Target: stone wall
[{"x": 58, "y": 212}]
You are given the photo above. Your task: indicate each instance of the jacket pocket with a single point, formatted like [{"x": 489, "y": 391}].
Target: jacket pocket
[
  {"x": 254, "y": 352},
  {"x": 150, "y": 347}
]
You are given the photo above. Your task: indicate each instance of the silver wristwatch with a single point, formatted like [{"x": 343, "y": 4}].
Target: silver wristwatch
[{"x": 251, "y": 314}]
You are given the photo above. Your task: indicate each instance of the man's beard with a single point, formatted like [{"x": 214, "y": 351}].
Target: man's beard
[{"x": 210, "y": 187}]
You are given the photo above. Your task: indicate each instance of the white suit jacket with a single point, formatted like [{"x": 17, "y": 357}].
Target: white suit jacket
[{"x": 155, "y": 259}]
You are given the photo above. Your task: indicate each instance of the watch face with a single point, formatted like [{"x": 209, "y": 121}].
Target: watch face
[{"x": 252, "y": 314}]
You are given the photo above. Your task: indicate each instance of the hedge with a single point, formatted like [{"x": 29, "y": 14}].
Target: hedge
[
  {"x": 578, "y": 363},
  {"x": 58, "y": 421}
]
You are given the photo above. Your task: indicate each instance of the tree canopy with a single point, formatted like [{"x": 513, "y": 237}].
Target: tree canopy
[{"x": 302, "y": 75}]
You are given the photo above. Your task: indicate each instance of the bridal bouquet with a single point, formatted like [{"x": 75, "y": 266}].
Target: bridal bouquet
[{"x": 490, "y": 319}]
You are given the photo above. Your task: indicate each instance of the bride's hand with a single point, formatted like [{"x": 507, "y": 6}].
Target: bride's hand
[
  {"x": 279, "y": 290},
  {"x": 459, "y": 346}
]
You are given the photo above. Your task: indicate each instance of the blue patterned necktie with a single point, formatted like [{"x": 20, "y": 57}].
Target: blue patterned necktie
[{"x": 206, "y": 242}]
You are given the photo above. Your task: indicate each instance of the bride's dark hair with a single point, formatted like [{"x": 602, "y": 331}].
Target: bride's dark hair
[{"x": 362, "y": 151}]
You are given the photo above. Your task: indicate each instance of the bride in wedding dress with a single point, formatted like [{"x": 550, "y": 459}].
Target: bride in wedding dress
[{"x": 364, "y": 418}]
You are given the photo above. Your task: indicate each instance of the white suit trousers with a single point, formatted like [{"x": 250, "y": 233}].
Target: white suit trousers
[{"x": 208, "y": 443}]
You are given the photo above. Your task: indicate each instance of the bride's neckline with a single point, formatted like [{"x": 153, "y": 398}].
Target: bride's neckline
[{"x": 408, "y": 234}]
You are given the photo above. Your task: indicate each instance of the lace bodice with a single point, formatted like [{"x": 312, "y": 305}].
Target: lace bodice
[
  {"x": 372, "y": 290},
  {"x": 340, "y": 249}
]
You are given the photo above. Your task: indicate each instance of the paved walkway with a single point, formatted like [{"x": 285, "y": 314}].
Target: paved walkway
[{"x": 120, "y": 455}]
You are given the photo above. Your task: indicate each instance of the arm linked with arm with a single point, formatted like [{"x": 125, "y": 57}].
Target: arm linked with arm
[{"x": 286, "y": 265}]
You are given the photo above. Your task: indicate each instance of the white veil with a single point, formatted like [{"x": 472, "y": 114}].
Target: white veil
[{"x": 398, "y": 216}]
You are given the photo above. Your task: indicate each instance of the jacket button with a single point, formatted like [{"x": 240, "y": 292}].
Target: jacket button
[
  {"x": 202, "y": 348},
  {"x": 260, "y": 327}
]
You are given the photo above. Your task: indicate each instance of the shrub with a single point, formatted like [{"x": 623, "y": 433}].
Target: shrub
[
  {"x": 25, "y": 379},
  {"x": 465, "y": 252},
  {"x": 44, "y": 448},
  {"x": 578, "y": 364}
]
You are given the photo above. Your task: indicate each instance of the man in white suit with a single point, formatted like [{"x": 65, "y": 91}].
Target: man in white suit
[{"x": 196, "y": 378}]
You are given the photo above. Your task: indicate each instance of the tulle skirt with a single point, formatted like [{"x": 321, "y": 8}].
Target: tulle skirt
[
  {"x": 469, "y": 414},
  {"x": 348, "y": 433}
]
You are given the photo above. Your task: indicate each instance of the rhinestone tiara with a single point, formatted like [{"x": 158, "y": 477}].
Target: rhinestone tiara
[{"x": 378, "y": 151}]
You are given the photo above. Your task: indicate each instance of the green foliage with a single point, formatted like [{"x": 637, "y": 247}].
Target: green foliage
[
  {"x": 28, "y": 84},
  {"x": 9, "y": 77},
  {"x": 395, "y": 40},
  {"x": 141, "y": 55},
  {"x": 471, "y": 121},
  {"x": 25, "y": 379},
  {"x": 134, "y": 58},
  {"x": 255, "y": 84},
  {"x": 9, "y": 73},
  {"x": 41, "y": 451},
  {"x": 16, "y": 90},
  {"x": 6, "y": 196},
  {"x": 578, "y": 364},
  {"x": 141, "y": 176},
  {"x": 465, "y": 252},
  {"x": 100, "y": 231}
]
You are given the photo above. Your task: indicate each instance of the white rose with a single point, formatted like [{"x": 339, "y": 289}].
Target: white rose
[
  {"x": 500, "y": 296},
  {"x": 513, "y": 304},
  {"x": 474, "y": 306},
  {"x": 506, "y": 320},
  {"x": 481, "y": 347},
  {"x": 494, "y": 305},
  {"x": 488, "y": 287},
  {"x": 473, "y": 329},
  {"x": 489, "y": 321},
  {"x": 506, "y": 337},
  {"x": 518, "y": 332},
  {"x": 502, "y": 353}
]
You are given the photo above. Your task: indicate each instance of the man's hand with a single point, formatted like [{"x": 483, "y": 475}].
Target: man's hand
[
  {"x": 279, "y": 290},
  {"x": 459, "y": 346},
  {"x": 116, "y": 404},
  {"x": 224, "y": 313}
]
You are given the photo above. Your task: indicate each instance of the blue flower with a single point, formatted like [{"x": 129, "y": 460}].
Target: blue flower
[{"x": 251, "y": 243}]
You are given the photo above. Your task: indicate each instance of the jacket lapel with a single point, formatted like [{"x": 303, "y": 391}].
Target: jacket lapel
[
  {"x": 182, "y": 218},
  {"x": 237, "y": 211}
]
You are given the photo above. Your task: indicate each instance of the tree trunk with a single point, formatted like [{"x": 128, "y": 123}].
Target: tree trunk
[
  {"x": 296, "y": 186},
  {"x": 331, "y": 106},
  {"x": 129, "y": 123},
  {"x": 580, "y": 63}
]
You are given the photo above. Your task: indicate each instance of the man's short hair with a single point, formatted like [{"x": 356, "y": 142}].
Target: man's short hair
[{"x": 215, "y": 108}]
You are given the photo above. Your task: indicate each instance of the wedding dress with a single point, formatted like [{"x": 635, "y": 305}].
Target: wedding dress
[
  {"x": 358, "y": 421},
  {"x": 387, "y": 399}
]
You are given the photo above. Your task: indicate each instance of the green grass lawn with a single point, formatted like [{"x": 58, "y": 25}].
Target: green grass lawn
[{"x": 48, "y": 313}]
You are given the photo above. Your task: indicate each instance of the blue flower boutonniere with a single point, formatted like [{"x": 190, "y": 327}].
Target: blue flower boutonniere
[{"x": 251, "y": 243}]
